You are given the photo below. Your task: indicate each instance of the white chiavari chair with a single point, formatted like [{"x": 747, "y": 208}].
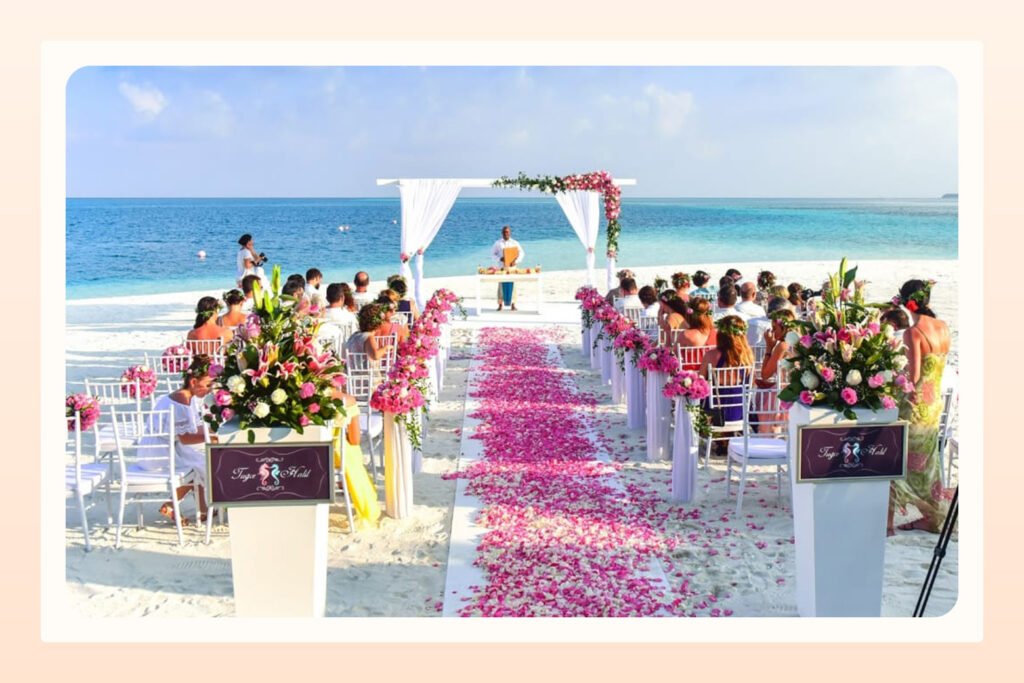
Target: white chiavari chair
[
  {"x": 214, "y": 348},
  {"x": 949, "y": 405},
  {"x": 649, "y": 325},
  {"x": 763, "y": 442},
  {"x": 707, "y": 296},
  {"x": 725, "y": 403},
  {"x": 690, "y": 357},
  {"x": 147, "y": 468},
  {"x": 83, "y": 476},
  {"x": 112, "y": 391},
  {"x": 758, "y": 350},
  {"x": 402, "y": 318},
  {"x": 361, "y": 378},
  {"x": 633, "y": 314}
]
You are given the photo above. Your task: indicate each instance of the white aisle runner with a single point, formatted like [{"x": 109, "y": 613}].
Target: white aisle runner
[{"x": 466, "y": 535}]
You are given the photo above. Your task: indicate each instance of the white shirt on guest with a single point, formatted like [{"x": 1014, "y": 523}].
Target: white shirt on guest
[
  {"x": 652, "y": 310},
  {"x": 315, "y": 297},
  {"x": 628, "y": 301},
  {"x": 756, "y": 327},
  {"x": 362, "y": 298},
  {"x": 719, "y": 313},
  {"x": 751, "y": 309},
  {"x": 341, "y": 316}
]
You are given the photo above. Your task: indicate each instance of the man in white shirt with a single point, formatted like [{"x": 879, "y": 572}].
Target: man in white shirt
[
  {"x": 757, "y": 326},
  {"x": 506, "y": 290},
  {"x": 312, "y": 290},
  {"x": 649, "y": 300},
  {"x": 361, "y": 295},
  {"x": 748, "y": 307},
  {"x": 629, "y": 298},
  {"x": 726, "y": 304}
]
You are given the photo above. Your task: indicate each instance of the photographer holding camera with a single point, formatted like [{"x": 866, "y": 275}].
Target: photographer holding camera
[{"x": 249, "y": 262}]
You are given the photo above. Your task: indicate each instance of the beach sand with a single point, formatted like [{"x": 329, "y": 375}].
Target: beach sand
[{"x": 398, "y": 567}]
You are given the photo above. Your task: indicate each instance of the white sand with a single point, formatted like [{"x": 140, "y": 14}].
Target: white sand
[{"x": 398, "y": 568}]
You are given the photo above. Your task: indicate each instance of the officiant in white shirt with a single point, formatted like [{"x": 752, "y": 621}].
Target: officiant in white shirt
[{"x": 506, "y": 290}]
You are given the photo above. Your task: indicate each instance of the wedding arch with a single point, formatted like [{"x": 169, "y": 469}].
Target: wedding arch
[{"x": 425, "y": 203}]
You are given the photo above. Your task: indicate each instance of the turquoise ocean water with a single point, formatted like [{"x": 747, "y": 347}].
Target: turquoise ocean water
[{"x": 139, "y": 246}]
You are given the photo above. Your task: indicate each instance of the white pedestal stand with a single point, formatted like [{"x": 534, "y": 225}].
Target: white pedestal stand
[
  {"x": 618, "y": 381},
  {"x": 606, "y": 362},
  {"x": 586, "y": 341},
  {"x": 684, "y": 456},
  {"x": 658, "y": 416},
  {"x": 398, "y": 457},
  {"x": 279, "y": 552},
  {"x": 636, "y": 396},
  {"x": 839, "y": 530}
]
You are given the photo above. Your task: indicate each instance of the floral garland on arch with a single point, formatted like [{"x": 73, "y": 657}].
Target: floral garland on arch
[{"x": 595, "y": 181}]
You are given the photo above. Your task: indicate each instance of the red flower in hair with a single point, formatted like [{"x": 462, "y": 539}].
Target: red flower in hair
[{"x": 912, "y": 306}]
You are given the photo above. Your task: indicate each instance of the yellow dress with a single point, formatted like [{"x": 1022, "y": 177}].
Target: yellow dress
[{"x": 361, "y": 489}]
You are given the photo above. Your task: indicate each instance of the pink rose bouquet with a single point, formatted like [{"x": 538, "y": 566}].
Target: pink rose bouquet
[
  {"x": 87, "y": 407},
  {"x": 146, "y": 377}
]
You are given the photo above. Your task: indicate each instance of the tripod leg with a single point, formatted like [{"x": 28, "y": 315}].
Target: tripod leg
[{"x": 938, "y": 554}]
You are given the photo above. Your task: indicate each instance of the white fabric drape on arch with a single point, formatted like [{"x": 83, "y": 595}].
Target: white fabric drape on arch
[
  {"x": 582, "y": 208},
  {"x": 425, "y": 205}
]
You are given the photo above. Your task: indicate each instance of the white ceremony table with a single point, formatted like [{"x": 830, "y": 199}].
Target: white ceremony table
[{"x": 510, "y": 277}]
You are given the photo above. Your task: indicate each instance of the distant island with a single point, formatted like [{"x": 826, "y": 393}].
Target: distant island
[{"x": 951, "y": 195}]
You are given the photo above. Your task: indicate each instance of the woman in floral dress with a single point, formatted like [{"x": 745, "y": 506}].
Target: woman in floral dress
[{"x": 927, "y": 342}]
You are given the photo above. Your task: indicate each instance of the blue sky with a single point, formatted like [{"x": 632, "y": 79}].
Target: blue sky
[{"x": 680, "y": 131}]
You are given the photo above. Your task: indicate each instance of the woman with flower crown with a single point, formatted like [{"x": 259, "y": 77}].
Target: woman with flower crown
[
  {"x": 927, "y": 342},
  {"x": 206, "y": 327},
  {"x": 671, "y": 315},
  {"x": 186, "y": 406},
  {"x": 361, "y": 489},
  {"x": 731, "y": 351},
  {"x": 700, "y": 331},
  {"x": 235, "y": 316}
]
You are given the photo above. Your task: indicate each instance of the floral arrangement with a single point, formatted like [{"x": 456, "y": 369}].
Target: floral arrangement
[
  {"x": 175, "y": 358},
  {"x": 596, "y": 181},
  {"x": 680, "y": 280},
  {"x": 87, "y": 407},
  {"x": 765, "y": 280},
  {"x": 730, "y": 325},
  {"x": 660, "y": 283},
  {"x": 692, "y": 388},
  {"x": 273, "y": 374},
  {"x": 659, "y": 359},
  {"x": 590, "y": 299},
  {"x": 404, "y": 257},
  {"x": 842, "y": 356},
  {"x": 445, "y": 300},
  {"x": 405, "y": 388},
  {"x": 492, "y": 270},
  {"x": 146, "y": 377},
  {"x": 914, "y": 302}
]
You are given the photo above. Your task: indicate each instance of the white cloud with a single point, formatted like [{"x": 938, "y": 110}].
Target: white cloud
[
  {"x": 673, "y": 108},
  {"x": 146, "y": 100}
]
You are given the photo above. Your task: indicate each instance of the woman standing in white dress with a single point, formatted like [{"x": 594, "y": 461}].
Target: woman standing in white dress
[
  {"x": 248, "y": 261},
  {"x": 186, "y": 406}
]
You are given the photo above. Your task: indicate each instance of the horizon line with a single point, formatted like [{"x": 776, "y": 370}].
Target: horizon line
[{"x": 947, "y": 195}]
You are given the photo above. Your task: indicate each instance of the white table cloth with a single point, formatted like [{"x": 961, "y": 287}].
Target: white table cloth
[
  {"x": 658, "y": 416},
  {"x": 636, "y": 396}
]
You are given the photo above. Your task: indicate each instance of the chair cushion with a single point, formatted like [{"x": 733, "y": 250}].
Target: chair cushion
[
  {"x": 760, "y": 448},
  {"x": 372, "y": 424},
  {"x": 93, "y": 475}
]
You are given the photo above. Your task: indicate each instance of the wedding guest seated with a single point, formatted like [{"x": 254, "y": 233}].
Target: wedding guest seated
[
  {"x": 247, "y": 292},
  {"x": 681, "y": 283},
  {"x": 312, "y": 289},
  {"x": 398, "y": 284},
  {"x": 670, "y": 314},
  {"x": 293, "y": 288},
  {"x": 389, "y": 299},
  {"x": 778, "y": 291},
  {"x": 735, "y": 275},
  {"x": 616, "y": 292},
  {"x": 759, "y": 325},
  {"x": 371, "y": 317},
  {"x": 336, "y": 311},
  {"x": 629, "y": 298},
  {"x": 747, "y": 307},
  {"x": 361, "y": 489},
  {"x": 235, "y": 315},
  {"x": 206, "y": 328},
  {"x": 649, "y": 300},
  {"x": 726, "y": 304},
  {"x": 700, "y": 281},
  {"x": 780, "y": 316},
  {"x": 700, "y": 330},
  {"x": 896, "y": 317},
  {"x": 731, "y": 351},
  {"x": 362, "y": 295},
  {"x": 186, "y": 406},
  {"x": 765, "y": 283},
  {"x": 796, "y": 298},
  {"x": 776, "y": 348}
]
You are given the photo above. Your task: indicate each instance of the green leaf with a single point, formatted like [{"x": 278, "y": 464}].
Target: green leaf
[
  {"x": 850, "y": 276},
  {"x": 252, "y": 436},
  {"x": 850, "y": 414}
]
